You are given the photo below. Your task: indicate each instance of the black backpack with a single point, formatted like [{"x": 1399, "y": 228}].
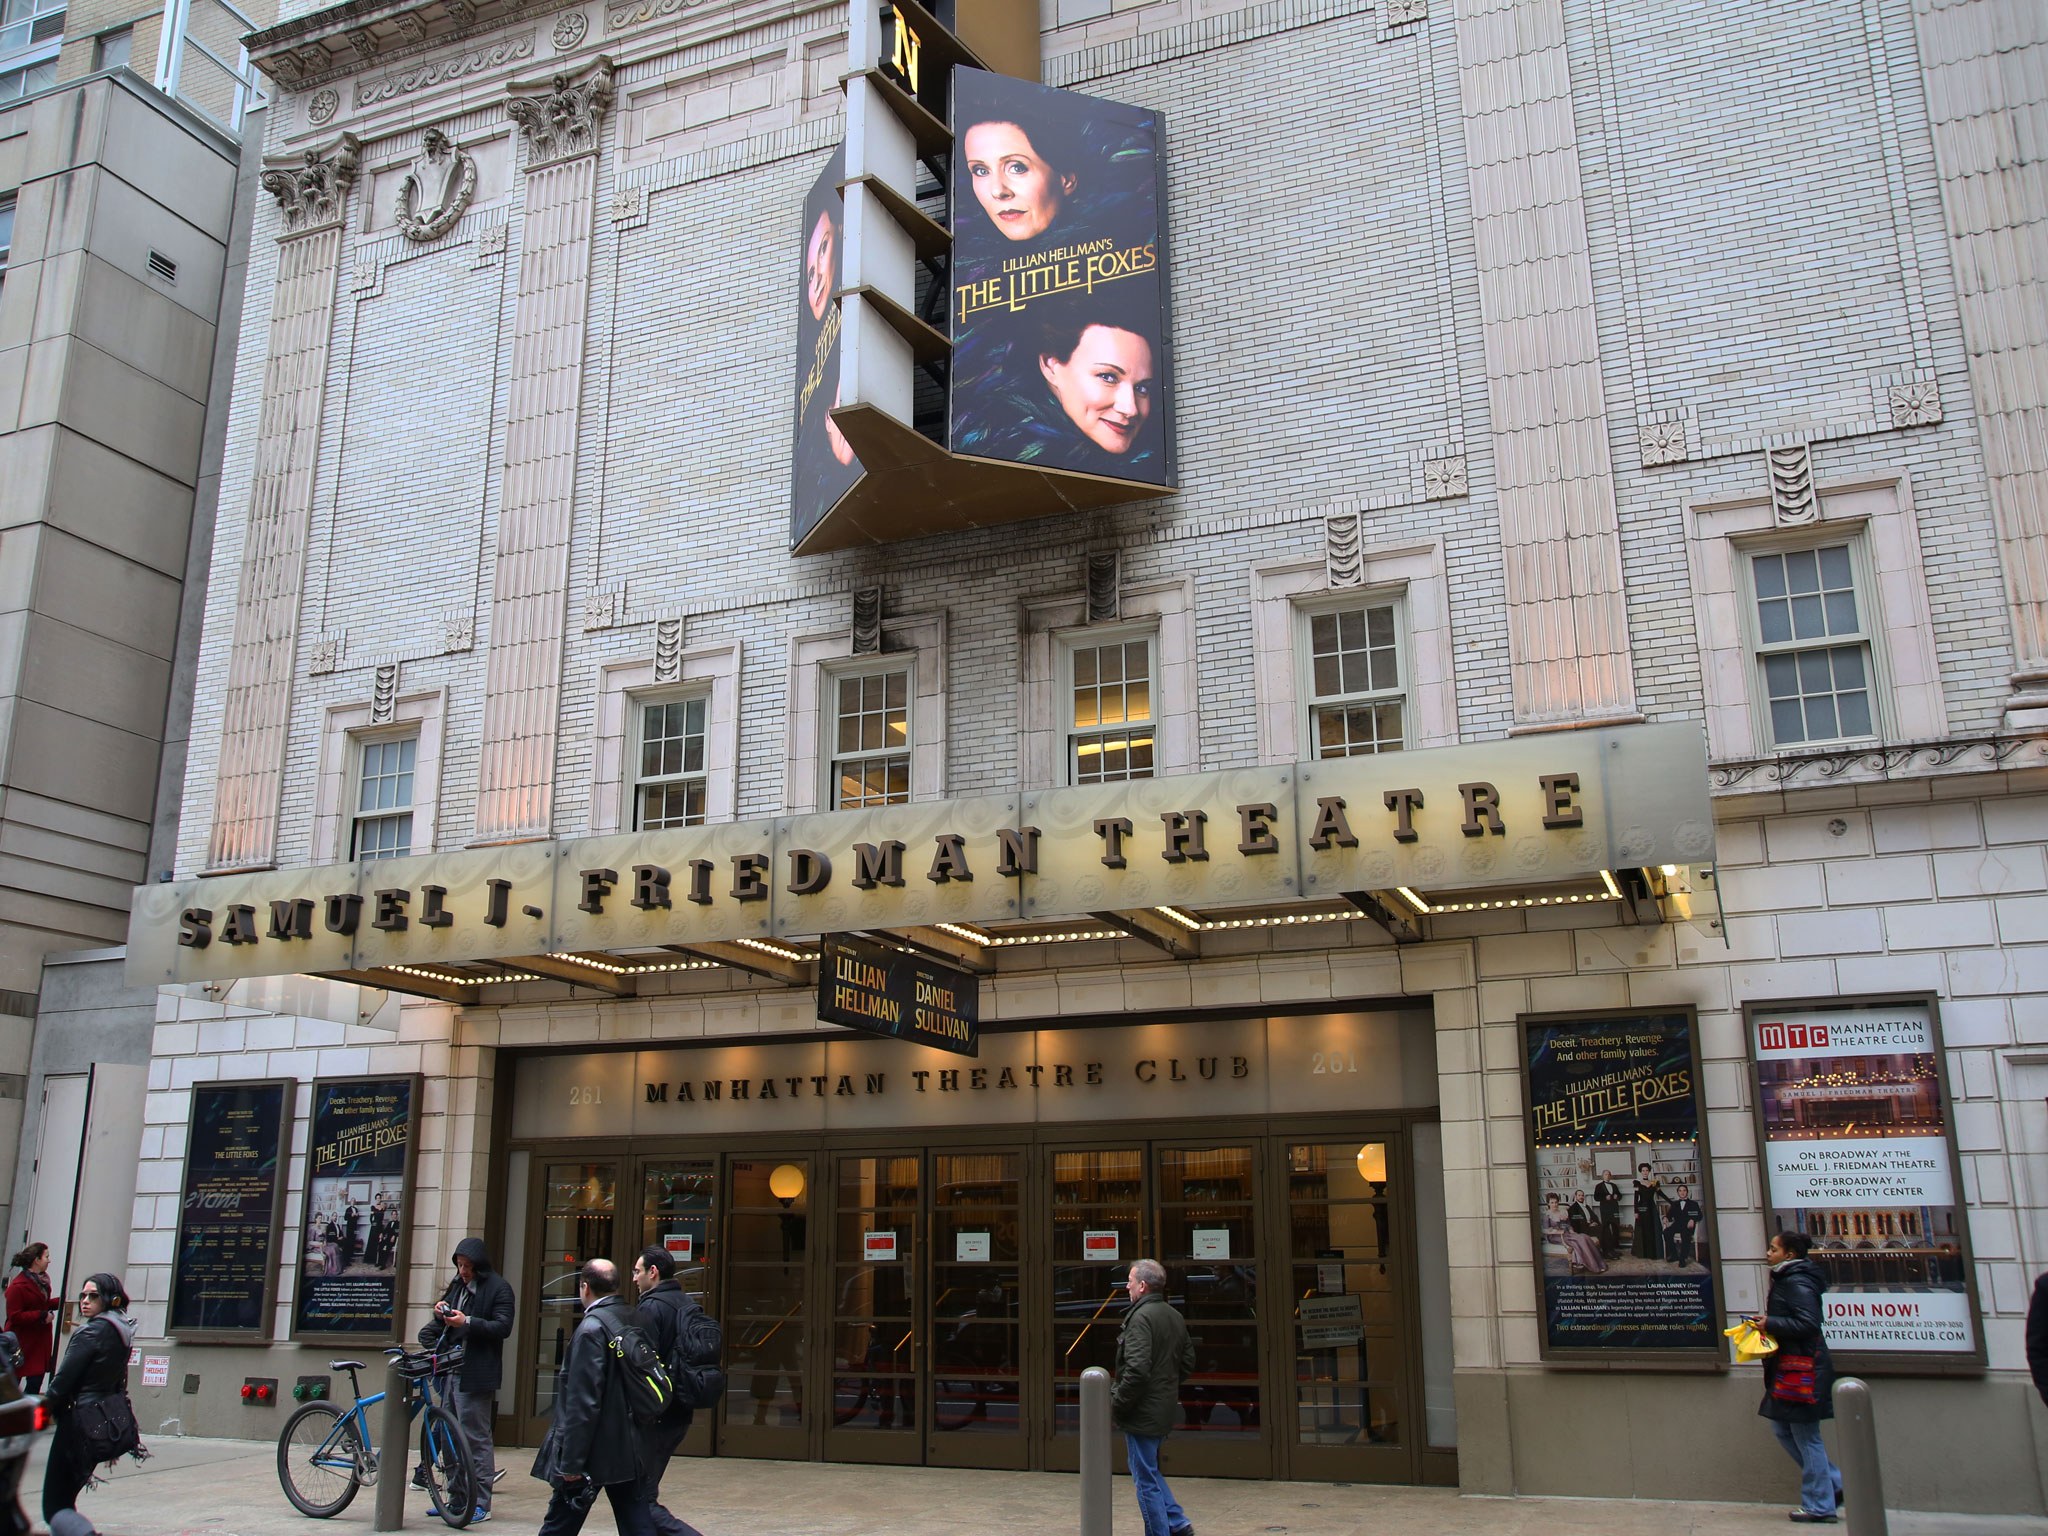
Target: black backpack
[
  {"x": 693, "y": 1362},
  {"x": 650, "y": 1394}
]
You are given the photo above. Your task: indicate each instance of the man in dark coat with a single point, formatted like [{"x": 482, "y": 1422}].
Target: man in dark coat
[
  {"x": 1154, "y": 1355},
  {"x": 475, "y": 1312},
  {"x": 1607, "y": 1196},
  {"x": 1682, "y": 1218},
  {"x": 2037, "y": 1335},
  {"x": 664, "y": 1307},
  {"x": 593, "y": 1442},
  {"x": 1793, "y": 1317}
]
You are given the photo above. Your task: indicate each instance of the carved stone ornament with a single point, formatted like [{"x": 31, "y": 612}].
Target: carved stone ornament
[
  {"x": 1105, "y": 587},
  {"x": 1400, "y": 12},
  {"x": 321, "y": 109},
  {"x": 1343, "y": 550},
  {"x": 668, "y": 651},
  {"x": 437, "y": 189},
  {"x": 867, "y": 621},
  {"x": 1917, "y": 404},
  {"x": 1444, "y": 479},
  {"x": 1661, "y": 442},
  {"x": 629, "y": 204},
  {"x": 458, "y": 630},
  {"x": 565, "y": 122},
  {"x": 384, "y": 694},
  {"x": 604, "y": 607},
  {"x": 324, "y": 652},
  {"x": 1793, "y": 503},
  {"x": 570, "y": 28},
  {"x": 312, "y": 195}
]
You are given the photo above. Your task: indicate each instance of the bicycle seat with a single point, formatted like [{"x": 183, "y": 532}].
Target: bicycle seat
[{"x": 346, "y": 1365}]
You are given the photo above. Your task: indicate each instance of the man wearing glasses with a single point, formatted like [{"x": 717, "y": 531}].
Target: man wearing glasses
[{"x": 593, "y": 1442}]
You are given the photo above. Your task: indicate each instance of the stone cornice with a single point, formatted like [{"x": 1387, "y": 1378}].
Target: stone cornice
[
  {"x": 1876, "y": 764},
  {"x": 359, "y": 34}
]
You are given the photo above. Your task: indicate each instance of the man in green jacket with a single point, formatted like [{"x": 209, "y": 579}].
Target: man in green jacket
[{"x": 1153, "y": 1357}]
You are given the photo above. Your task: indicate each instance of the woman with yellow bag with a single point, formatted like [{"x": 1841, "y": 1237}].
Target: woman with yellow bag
[{"x": 1799, "y": 1376}]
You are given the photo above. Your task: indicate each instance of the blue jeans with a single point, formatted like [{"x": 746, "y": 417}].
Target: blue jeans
[
  {"x": 1820, "y": 1480},
  {"x": 1155, "y": 1500}
]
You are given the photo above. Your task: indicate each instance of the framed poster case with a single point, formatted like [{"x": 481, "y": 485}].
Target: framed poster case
[
  {"x": 1620, "y": 1189},
  {"x": 238, "y": 1140},
  {"x": 1856, "y": 1147},
  {"x": 355, "y": 1226}
]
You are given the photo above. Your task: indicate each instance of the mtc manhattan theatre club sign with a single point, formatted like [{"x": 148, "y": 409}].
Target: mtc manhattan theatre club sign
[{"x": 1543, "y": 812}]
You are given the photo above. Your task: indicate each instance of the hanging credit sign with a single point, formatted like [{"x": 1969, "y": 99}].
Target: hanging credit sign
[{"x": 890, "y": 992}]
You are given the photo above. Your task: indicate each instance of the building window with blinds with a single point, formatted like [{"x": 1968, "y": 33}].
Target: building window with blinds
[
  {"x": 870, "y": 734},
  {"x": 382, "y": 828},
  {"x": 670, "y": 787}
]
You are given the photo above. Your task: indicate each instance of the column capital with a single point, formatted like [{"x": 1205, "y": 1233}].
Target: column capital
[
  {"x": 312, "y": 189},
  {"x": 565, "y": 121}
]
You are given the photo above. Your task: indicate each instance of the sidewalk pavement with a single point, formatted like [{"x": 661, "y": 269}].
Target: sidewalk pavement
[{"x": 195, "y": 1487}]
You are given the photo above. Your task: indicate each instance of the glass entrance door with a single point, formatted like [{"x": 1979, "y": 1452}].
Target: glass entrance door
[
  {"x": 1098, "y": 1201},
  {"x": 1208, "y": 1241},
  {"x": 578, "y": 1221},
  {"x": 1350, "y": 1343},
  {"x": 876, "y": 1347},
  {"x": 769, "y": 1402},
  {"x": 977, "y": 1288},
  {"x": 679, "y": 1212}
]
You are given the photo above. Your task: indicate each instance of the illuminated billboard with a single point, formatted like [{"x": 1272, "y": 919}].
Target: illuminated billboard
[
  {"x": 823, "y": 466},
  {"x": 1061, "y": 350}
]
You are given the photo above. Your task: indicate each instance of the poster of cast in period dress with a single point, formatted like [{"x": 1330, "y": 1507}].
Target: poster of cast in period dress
[
  {"x": 822, "y": 463},
  {"x": 1618, "y": 1184},
  {"x": 358, "y": 1199},
  {"x": 235, "y": 1147},
  {"x": 1061, "y": 345},
  {"x": 1857, "y": 1154}
]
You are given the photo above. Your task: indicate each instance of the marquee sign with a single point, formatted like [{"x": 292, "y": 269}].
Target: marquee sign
[
  {"x": 1505, "y": 814},
  {"x": 885, "y": 991}
]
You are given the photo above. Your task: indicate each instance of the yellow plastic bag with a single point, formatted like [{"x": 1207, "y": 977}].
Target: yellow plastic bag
[{"x": 1751, "y": 1342}]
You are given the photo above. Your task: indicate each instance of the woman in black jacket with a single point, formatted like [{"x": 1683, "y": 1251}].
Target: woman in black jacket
[
  {"x": 1793, "y": 1316},
  {"x": 95, "y": 1366}
]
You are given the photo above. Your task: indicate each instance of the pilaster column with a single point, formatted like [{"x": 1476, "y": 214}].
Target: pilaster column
[
  {"x": 1567, "y": 624},
  {"x": 1983, "y": 62},
  {"x": 313, "y": 196},
  {"x": 529, "y": 589}
]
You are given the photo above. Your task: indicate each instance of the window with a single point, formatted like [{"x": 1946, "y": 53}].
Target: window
[
  {"x": 384, "y": 798},
  {"x": 1109, "y": 726},
  {"x": 6, "y": 234},
  {"x": 1356, "y": 701},
  {"x": 17, "y": 83},
  {"x": 870, "y": 738},
  {"x": 110, "y": 49},
  {"x": 1812, "y": 644},
  {"x": 671, "y": 788}
]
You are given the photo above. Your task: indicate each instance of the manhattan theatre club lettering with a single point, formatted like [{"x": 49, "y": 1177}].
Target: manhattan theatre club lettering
[
  {"x": 1164, "y": 1071},
  {"x": 741, "y": 881}
]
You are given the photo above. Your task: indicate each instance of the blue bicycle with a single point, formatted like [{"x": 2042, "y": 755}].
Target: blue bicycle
[{"x": 326, "y": 1453}]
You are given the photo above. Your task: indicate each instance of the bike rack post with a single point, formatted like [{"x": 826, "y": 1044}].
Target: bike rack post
[
  {"x": 1862, "y": 1479},
  {"x": 394, "y": 1461},
  {"x": 1095, "y": 1452}
]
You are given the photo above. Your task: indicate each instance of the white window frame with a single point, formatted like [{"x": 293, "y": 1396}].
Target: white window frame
[
  {"x": 1101, "y": 636},
  {"x": 1046, "y": 699},
  {"x": 345, "y": 728},
  {"x": 1284, "y": 594},
  {"x": 917, "y": 641},
  {"x": 1305, "y": 613},
  {"x": 361, "y": 744},
  {"x": 1899, "y": 621},
  {"x": 9, "y": 206},
  {"x": 1864, "y": 582},
  {"x": 622, "y": 687},
  {"x": 640, "y": 704},
  {"x": 840, "y": 670}
]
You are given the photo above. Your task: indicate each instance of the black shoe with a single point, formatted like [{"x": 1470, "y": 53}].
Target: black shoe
[
  {"x": 419, "y": 1478},
  {"x": 1808, "y": 1517},
  {"x": 1182, "y": 1530}
]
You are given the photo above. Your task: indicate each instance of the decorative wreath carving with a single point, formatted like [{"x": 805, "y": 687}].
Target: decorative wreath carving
[{"x": 437, "y": 190}]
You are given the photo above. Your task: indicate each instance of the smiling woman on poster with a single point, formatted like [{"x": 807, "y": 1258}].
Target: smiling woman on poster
[{"x": 1059, "y": 304}]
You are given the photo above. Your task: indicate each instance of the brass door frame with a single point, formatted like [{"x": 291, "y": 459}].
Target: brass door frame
[
  {"x": 875, "y": 1447},
  {"x": 939, "y": 1447},
  {"x": 530, "y": 1426}
]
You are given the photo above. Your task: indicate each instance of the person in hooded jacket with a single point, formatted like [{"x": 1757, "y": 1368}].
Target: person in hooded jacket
[
  {"x": 475, "y": 1312},
  {"x": 664, "y": 1305},
  {"x": 29, "y": 1308},
  {"x": 95, "y": 1366},
  {"x": 1793, "y": 1317}
]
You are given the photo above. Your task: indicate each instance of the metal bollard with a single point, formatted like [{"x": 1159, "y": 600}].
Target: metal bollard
[
  {"x": 394, "y": 1460},
  {"x": 1862, "y": 1481},
  {"x": 1095, "y": 1452}
]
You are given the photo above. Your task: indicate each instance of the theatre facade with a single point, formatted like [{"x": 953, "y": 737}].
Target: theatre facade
[{"x": 902, "y": 652}]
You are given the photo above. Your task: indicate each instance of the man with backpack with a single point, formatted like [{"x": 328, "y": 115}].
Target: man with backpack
[
  {"x": 594, "y": 1441},
  {"x": 683, "y": 1335}
]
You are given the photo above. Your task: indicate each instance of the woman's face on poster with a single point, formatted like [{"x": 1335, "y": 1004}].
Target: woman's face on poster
[
  {"x": 1105, "y": 387},
  {"x": 821, "y": 254},
  {"x": 1015, "y": 186}
]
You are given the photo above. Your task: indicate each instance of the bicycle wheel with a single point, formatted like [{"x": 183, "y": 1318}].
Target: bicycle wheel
[
  {"x": 451, "y": 1469},
  {"x": 319, "y": 1460}
]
